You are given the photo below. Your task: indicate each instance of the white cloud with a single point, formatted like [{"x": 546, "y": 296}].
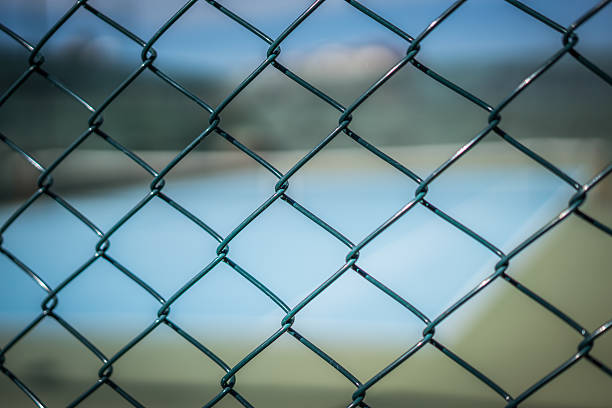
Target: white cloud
[{"x": 344, "y": 60}]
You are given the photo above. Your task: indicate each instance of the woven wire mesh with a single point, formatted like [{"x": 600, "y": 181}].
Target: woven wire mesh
[{"x": 281, "y": 191}]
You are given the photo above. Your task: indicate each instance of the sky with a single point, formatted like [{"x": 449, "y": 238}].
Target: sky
[{"x": 478, "y": 29}]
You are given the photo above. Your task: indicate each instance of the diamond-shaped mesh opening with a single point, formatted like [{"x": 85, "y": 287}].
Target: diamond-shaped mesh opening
[
  {"x": 579, "y": 108},
  {"x": 191, "y": 47},
  {"x": 271, "y": 17},
  {"x": 53, "y": 363},
  {"x": 241, "y": 190},
  {"x": 59, "y": 118},
  {"x": 430, "y": 379},
  {"x": 159, "y": 118},
  {"x": 484, "y": 51},
  {"x": 289, "y": 374},
  {"x": 33, "y": 238},
  {"x": 90, "y": 57},
  {"x": 141, "y": 245},
  {"x": 124, "y": 311},
  {"x": 350, "y": 321},
  {"x": 94, "y": 169},
  {"x": 431, "y": 278},
  {"x": 412, "y": 17},
  {"x": 413, "y": 109},
  {"x": 518, "y": 332},
  {"x": 179, "y": 372},
  {"x": 289, "y": 270},
  {"x": 342, "y": 185},
  {"x": 508, "y": 202},
  {"x": 570, "y": 270},
  {"x": 330, "y": 52},
  {"x": 152, "y": 115},
  {"x": 227, "y": 313},
  {"x": 140, "y": 18},
  {"x": 272, "y": 109},
  {"x": 368, "y": 316}
]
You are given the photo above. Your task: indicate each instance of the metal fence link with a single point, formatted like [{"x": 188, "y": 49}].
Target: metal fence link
[{"x": 281, "y": 191}]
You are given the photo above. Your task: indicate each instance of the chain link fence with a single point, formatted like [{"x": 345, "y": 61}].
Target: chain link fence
[{"x": 281, "y": 191}]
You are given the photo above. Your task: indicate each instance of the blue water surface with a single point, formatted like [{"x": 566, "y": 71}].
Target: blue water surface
[{"x": 421, "y": 257}]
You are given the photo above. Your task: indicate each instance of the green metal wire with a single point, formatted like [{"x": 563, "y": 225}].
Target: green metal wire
[{"x": 94, "y": 127}]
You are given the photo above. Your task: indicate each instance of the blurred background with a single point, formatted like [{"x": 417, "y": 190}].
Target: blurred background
[{"x": 485, "y": 47}]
